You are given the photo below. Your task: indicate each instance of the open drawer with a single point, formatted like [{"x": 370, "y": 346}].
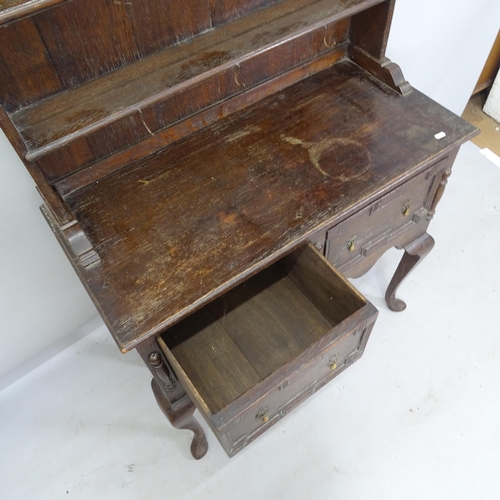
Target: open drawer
[{"x": 251, "y": 356}]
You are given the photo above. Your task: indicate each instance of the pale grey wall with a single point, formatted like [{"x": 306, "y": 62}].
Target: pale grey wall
[{"x": 441, "y": 46}]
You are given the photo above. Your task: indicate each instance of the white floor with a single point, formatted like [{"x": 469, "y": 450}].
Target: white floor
[{"x": 418, "y": 417}]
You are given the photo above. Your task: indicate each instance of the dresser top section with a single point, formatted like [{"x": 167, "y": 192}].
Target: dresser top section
[
  {"x": 81, "y": 80},
  {"x": 180, "y": 227}
]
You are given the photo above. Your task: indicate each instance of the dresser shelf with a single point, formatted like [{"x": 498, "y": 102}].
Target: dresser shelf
[{"x": 204, "y": 69}]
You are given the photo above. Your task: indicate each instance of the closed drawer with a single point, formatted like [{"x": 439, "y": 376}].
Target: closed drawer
[
  {"x": 395, "y": 219},
  {"x": 253, "y": 355}
]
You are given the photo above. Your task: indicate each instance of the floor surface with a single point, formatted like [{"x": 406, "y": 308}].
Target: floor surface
[
  {"x": 490, "y": 129},
  {"x": 418, "y": 417}
]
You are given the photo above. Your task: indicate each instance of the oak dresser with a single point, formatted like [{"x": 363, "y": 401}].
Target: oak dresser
[{"x": 215, "y": 170}]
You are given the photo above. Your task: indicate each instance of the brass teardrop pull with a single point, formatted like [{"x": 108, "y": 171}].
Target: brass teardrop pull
[
  {"x": 350, "y": 244},
  {"x": 262, "y": 414},
  {"x": 406, "y": 209}
]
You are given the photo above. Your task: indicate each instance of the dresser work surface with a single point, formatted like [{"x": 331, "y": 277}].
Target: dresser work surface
[
  {"x": 180, "y": 227},
  {"x": 215, "y": 172}
]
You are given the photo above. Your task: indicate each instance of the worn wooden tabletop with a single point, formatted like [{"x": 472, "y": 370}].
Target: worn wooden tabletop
[{"x": 180, "y": 227}]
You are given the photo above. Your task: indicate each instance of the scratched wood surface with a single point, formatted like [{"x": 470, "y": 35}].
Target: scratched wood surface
[
  {"x": 171, "y": 84},
  {"x": 166, "y": 86},
  {"x": 253, "y": 330},
  {"x": 179, "y": 228},
  {"x": 90, "y": 38},
  {"x": 220, "y": 10}
]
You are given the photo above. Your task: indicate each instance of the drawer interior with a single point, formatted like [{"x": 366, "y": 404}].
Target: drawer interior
[{"x": 238, "y": 340}]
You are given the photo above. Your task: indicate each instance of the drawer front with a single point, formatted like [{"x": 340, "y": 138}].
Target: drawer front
[
  {"x": 283, "y": 398},
  {"x": 395, "y": 219}
]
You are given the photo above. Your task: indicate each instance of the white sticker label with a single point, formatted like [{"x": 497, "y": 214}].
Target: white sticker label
[{"x": 440, "y": 135}]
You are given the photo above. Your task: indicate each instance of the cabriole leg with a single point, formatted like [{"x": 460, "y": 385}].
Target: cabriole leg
[
  {"x": 171, "y": 396},
  {"x": 414, "y": 253},
  {"x": 180, "y": 415}
]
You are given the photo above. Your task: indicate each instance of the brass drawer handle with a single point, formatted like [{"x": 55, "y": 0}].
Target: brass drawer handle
[
  {"x": 350, "y": 244},
  {"x": 262, "y": 414},
  {"x": 332, "y": 363},
  {"x": 405, "y": 209}
]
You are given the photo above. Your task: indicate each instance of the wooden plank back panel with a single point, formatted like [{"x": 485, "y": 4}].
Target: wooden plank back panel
[
  {"x": 129, "y": 130},
  {"x": 74, "y": 42},
  {"x": 87, "y": 38},
  {"x": 150, "y": 79},
  {"x": 158, "y": 24},
  {"x": 64, "y": 161},
  {"x": 57, "y": 162},
  {"x": 26, "y": 70},
  {"x": 81, "y": 152}
]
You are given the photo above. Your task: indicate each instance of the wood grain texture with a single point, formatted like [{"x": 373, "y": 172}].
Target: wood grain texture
[
  {"x": 286, "y": 379},
  {"x": 55, "y": 164},
  {"x": 370, "y": 29},
  {"x": 87, "y": 38},
  {"x": 26, "y": 71},
  {"x": 259, "y": 327},
  {"x": 395, "y": 219},
  {"x": 217, "y": 368},
  {"x": 178, "y": 131},
  {"x": 11, "y": 10},
  {"x": 122, "y": 133},
  {"x": 81, "y": 152},
  {"x": 228, "y": 10},
  {"x": 94, "y": 104},
  {"x": 269, "y": 319},
  {"x": 384, "y": 70},
  {"x": 299, "y": 367},
  {"x": 158, "y": 24},
  {"x": 187, "y": 151},
  {"x": 216, "y": 90},
  {"x": 181, "y": 227},
  {"x": 335, "y": 299},
  {"x": 63, "y": 161}
]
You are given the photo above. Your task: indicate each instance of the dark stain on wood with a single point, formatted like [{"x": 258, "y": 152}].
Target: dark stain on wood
[{"x": 258, "y": 196}]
